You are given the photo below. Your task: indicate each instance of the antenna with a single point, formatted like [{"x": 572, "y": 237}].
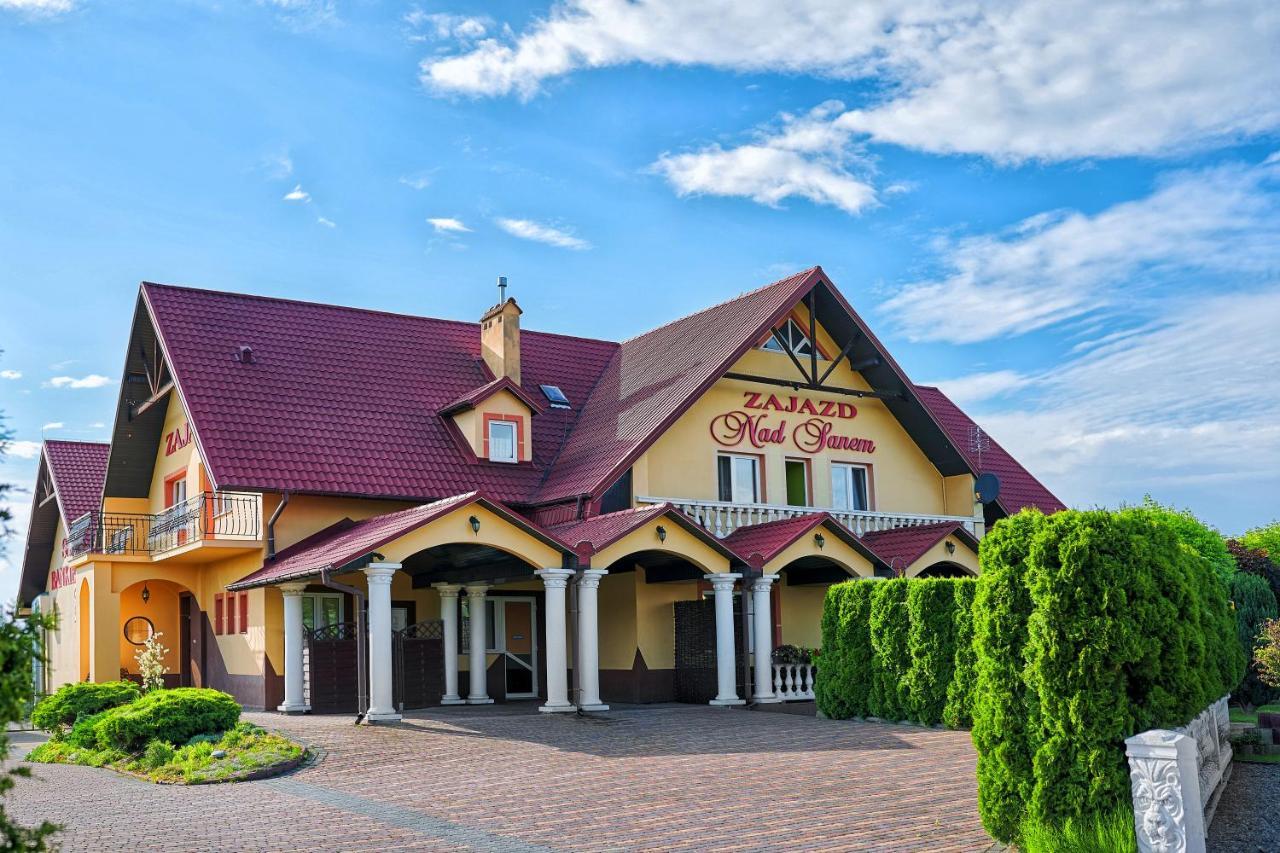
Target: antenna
[
  {"x": 978, "y": 442},
  {"x": 502, "y": 289}
]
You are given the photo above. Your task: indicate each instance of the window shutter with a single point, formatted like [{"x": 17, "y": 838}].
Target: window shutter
[
  {"x": 217, "y": 613},
  {"x": 244, "y": 613},
  {"x": 231, "y": 612}
]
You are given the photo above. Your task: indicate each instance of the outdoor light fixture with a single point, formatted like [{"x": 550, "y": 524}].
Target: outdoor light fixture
[
  {"x": 662, "y": 533},
  {"x": 819, "y": 540},
  {"x": 475, "y": 524},
  {"x": 951, "y": 547},
  {"x": 146, "y": 593}
]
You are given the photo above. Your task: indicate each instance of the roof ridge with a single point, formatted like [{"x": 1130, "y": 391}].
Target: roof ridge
[
  {"x": 724, "y": 302},
  {"x": 77, "y": 441}
]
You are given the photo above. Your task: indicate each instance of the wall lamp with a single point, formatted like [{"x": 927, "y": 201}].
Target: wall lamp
[
  {"x": 819, "y": 540},
  {"x": 146, "y": 593},
  {"x": 475, "y": 524},
  {"x": 662, "y": 533},
  {"x": 951, "y": 547}
]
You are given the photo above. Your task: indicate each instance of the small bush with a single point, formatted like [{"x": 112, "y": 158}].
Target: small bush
[
  {"x": 80, "y": 699},
  {"x": 1112, "y": 832},
  {"x": 158, "y": 754},
  {"x": 890, "y": 647},
  {"x": 1255, "y": 604},
  {"x": 958, "y": 713},
  {"x": 1267, "y": 653},
  {"x": 85, "y": 732},
  {"x": 170, "y": 715},
  {"x": 1193, "y": 533}
]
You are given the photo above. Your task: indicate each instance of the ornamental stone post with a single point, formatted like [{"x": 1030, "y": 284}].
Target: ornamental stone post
[
  {"x": 1167, "y": 812},
  {"x": 762, "y": 603},
  {"x": 589, "y": 640},
  {"x": 477, "y": 659}
]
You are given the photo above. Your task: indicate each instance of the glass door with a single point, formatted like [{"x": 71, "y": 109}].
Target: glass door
[{"x": 520, "y": 646}]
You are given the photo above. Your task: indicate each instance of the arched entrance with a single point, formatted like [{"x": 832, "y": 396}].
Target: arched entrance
[
  {"x": 159, "y": 608},
  {"x": 945, "y": 569}
]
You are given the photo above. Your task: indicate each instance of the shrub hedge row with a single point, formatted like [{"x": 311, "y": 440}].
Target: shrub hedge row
[
  {"x": 71, "y": 702},
  {"x": 892, "y": 649},
  {"x": 173, "y": 716},
  {"x": 1088, "y": 627},
  {"x": 1255, "y": 604}
]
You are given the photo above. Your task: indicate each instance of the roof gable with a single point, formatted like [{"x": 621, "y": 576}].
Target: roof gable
[{"x": 899, "y": 547}]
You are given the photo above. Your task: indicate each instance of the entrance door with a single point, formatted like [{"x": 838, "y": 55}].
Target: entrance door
[
  {"x": 520, "y": 646},
  {"x": 185, "y": 641}
]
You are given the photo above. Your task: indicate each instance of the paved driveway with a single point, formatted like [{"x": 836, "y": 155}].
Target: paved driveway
[{"x": 496, "y": 779}]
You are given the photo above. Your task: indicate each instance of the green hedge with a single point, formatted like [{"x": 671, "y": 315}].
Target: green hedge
[
  {"x": 1089, "y": 627},
  {"x": 1254, "y": 604},
  {"x": 174, "y": 716},
  {"x": 70, "y": 702},
  {"x": 892, "y": 649}
]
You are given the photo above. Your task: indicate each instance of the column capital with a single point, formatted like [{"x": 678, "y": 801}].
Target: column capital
[
  {"x": 292, "y": 588},
  {"x": 763, "y": 582},
  {"x": 723, "y": 580},
  {"x": 381, "y": 572},
  {"x": 477, "y": 590},
  {"x": 591, "y": 578},
  {"x": 555, "y": 578},
  {"x": 447, "y": 590}
]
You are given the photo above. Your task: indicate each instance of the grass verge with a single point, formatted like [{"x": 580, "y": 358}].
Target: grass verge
[{"x": 1239, "y": 715}]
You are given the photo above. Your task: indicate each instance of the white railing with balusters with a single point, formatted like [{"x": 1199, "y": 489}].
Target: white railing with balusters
[
  {"x": 793, "y": 682},
  {"x": 723, "y": 517}
]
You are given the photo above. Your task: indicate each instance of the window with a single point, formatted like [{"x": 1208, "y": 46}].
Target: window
[
  {"x": 555, "y": 396},
  {"x": 138, "y": 630},
  {"x": 501, "y": 439},
  {"x": 321, "y": 610},
  {"x": 244, "y": 612},
  {"x": 797, "y": 482},
  {"x": 739, "y": 478},
  {"x": 849, "y": 487},
  {"x": 219, "y": 602},
  {"x": 175, "y": 488},
  {"x": 794, "y": 337}
]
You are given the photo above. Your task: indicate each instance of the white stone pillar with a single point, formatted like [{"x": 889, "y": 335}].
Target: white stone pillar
[
  {"x": 725, "y": 659},
  {"x": 294, "y": 694},
  {"x": 762, "y": 603},
  {"x": 449, "y": 616},
  {"x": 556, "y": 581},
  {"x": 381, "y": 705},
  {"x": 477, "y": 658},
  {"x": 589, "y": 640},
  {"x": 1165, "y": 784}
]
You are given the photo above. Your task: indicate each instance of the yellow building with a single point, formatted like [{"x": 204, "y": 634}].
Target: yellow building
[{"x": 330, "y": 509}]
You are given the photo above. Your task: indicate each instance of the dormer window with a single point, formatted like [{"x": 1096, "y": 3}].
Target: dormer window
[
  {"x": 794, "y": 338},
  {"x": 502, "y": 440}
]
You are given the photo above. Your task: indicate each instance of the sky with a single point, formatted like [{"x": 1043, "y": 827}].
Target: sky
[{"x": 1066, "y": 215}]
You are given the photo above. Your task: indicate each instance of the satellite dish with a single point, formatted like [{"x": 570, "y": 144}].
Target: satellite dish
[{"x": 987, "y": 487}]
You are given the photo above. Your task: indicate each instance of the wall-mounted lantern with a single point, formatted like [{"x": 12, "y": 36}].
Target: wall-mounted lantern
[
  {"x": 819, "y": 540},
  {"x": 146, "y": 593},
  {"x": 662, "y": 533},
  {"x": 951, "y": 547},
  {"x": 475, "y": 524}
]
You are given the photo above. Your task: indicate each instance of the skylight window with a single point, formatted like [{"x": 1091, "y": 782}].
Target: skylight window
[
  {"x": 796, "y": 340},
  {"x": 555, "y": 396}
]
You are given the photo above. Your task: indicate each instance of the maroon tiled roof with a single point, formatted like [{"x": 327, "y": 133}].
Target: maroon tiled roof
[
  {"x": 652, "y": 378},
  {"x": 346, "y": 401},
  {"x": 78, "y": 469},
  {"x": 757, "y": 544},
  {"x": 346, "y": 541},
  {"x": 1018, "y": 488},
  {"x": 600, "y": 531},
  {"x": 474, "y": 398},
  {"x": 902, "y": 546}
]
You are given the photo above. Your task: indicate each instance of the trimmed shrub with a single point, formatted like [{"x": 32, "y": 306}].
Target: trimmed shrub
[
  {"x": 80, "y": 699},
  {"x": 931, "y": 647},
  {"x": 890, "y": 650},
  {"x": 158, "y": 754},
  {"x": 843, "y": 687},
  {"x": 1191, "y": 531},
  {"x": 958, "y": 713},
  {"x": 1255, "y": 604},
  {"x": 174, "y": 716}
]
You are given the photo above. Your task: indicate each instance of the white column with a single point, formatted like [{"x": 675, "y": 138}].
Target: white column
[
  {"x": 725, "y": 659},
  {"x": 449, "y": 616},
  {"x": 381, "y": 707},
  {"x": 294, "y": 695},
  {"x": 556, "y": 582},
  {"x": 477, "y": 658},
  {"x": 763, "y": 630},
  {"x": 589, "y": 641}
]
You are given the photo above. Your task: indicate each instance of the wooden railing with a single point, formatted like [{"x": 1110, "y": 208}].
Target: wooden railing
[{"x": 722, "y": 517}]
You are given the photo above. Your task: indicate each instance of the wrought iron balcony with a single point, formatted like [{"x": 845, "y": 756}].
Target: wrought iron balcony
[
  {"x": 222, "y": 516},
  {"x": 722, "y": 517}
]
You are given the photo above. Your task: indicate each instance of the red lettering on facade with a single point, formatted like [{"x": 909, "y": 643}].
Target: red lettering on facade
[
  {"x": 733, "y": 429},
  {"x": 177, "y": 439},
  {"x": 801, "y": 405}
]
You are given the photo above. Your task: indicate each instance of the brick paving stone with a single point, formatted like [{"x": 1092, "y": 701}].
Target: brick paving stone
[{"x": 505, "y": 778}]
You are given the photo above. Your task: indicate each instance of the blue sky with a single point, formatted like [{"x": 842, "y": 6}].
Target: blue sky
[{"x": 1068, "y": 217}]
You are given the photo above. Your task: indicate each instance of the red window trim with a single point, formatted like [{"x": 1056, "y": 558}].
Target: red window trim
[
  {"x": 244, "y": 612},
  {"x": 180, "y": 474},
  {"x": 808, "y": 475},
  {"x": 763, "y": 496},
  {"x": 490, "y": 417},
  {"x": 231, "y": 612},
  {"x": 218, "y": 608}
]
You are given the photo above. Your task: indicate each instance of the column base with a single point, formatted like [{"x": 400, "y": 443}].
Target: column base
[
  {"x": 595, "y": 707},
  {"x": 478, "y": 700},
  {"x": 727, "y": 703},
  {"x": 382, "y": 717},
  {"x": 453, "y": 700},
  {"x": 566, "y": 708},
  {"x": 766, "y": 700},
  {"x": 286, "y": 708}
]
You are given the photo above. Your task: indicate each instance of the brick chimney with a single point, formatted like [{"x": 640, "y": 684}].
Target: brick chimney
[{"x": 500, "y": 336}]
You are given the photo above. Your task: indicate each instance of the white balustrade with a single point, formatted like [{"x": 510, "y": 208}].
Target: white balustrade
[
  {"x": 793, "y": 682},
  {"x": 723, "y": 517}
]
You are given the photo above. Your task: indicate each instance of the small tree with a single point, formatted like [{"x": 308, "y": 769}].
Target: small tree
[
  {"x": 151, "y": 664},
  {"x": 1266, "y": 657}
]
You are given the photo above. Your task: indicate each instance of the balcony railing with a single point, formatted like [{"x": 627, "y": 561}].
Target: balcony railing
[
  {"x": 207, "y": 516},
  {"x": 722, "y": 518}
]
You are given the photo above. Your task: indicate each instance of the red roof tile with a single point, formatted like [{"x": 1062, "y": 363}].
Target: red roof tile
[
  {"x": 1018, "y": 488},
  {"x": 78, "y": 469},
  {"x": 474, "y": 398},
  {"x": 600, "y": 531},
  {"x": 757, "y": 544},
  {"x": 902, "y": 546}
]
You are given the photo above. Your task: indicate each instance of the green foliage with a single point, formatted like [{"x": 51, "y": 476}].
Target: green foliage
[
  {"x": 1191, "y": 531},
  {"x": 1112, "y": 832},
  {"x": 958, "y": 713},
  {"x": 843, "y": 687},
  {"x": 1257, "y": 561},
  {"x": 1267, "y": 653},
  {"x": 169, "y": 715},
  {"x": 20, "y": 648},
  {"x": 158, "y": 754},
  {"x": 890, "y": 650},
  {"x": 1254, "y": 605},
  {"x": 931, "y": 645},
  {"x": 56, "y": 712},
  {"x": 1266, "y": 538}
]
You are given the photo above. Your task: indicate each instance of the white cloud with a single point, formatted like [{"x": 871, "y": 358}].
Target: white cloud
[
  {"x": 1012, "y": 79},
  {"x": 93, "y": 380},
  {"x": 327, "y": 223},
  {"x": 976, "y": 387},
  {"x": 53, "y": 425},
  {"x": 97, "y": 425},
  {"x": 38, "y": 8},
  {"x": 435, "y": 26},
  {"x": 10, "y": 374},
  {"x": 416, "y": 182},
  {"x": 447, "y": 224},
  {"x": 1063, "y": 265},
  {"x": 527, "y": 229},
  {"x": 23, "y": 449},
  {"x": 278, "y": 166},
  {"x": 807, "y": 157},
  {"x": 303, "y": 15},
  {"x": 298, "y": 194}
]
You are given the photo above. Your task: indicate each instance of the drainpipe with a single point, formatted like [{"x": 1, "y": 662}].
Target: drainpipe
[
  {"x": 362, "y": 690},
  {"x": 271, "y": 525},
  {"x": 746, "y": 640}
]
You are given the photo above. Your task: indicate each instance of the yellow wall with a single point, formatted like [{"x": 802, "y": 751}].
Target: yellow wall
[
  {"x": 616, "y": 610},
  {"x": 802, "y": 613},
  {"x": 186, "y": 459},
  {"x": 655, "y": 618},
  {"x": 162, "y": 608},
  {"x": 679, "y": 542},
  {"x": 962, "y": 556},
  {"x": 833, "y": 548}
]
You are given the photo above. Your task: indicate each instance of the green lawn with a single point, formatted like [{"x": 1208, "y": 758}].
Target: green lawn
[
  {"x": 1257, "y": 759},
  {"x": 1240, "y": 716}
]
